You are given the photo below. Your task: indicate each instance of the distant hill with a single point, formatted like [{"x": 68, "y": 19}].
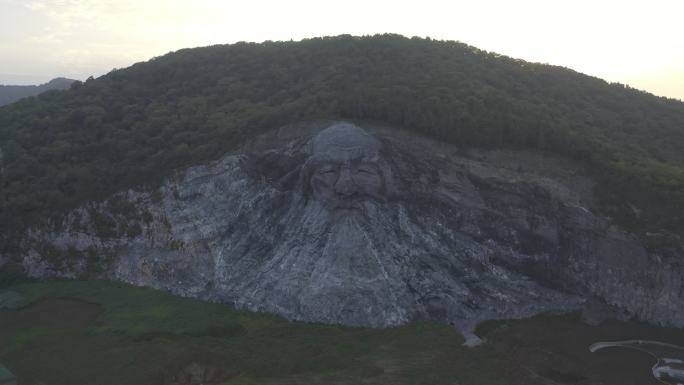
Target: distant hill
[
  {"x": 136, "y": 125},
  {"x": 10, "y": 94}
]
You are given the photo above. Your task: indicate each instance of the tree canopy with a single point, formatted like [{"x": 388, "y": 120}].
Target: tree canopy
[{"x": 133, "y": 126}]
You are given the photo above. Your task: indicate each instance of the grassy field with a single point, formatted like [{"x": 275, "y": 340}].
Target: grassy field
[{"x": 100, "y": 333}]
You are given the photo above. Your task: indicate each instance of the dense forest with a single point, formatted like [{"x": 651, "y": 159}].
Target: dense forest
[
  {"x": 133, "y": 126},
  {"x": 10, "y": 94}
]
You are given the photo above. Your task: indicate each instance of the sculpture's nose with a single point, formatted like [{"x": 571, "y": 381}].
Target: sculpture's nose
[{"x": 345, "y": 185}]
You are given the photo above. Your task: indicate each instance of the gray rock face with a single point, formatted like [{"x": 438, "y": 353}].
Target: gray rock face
[{"x": 374, "y": 227}]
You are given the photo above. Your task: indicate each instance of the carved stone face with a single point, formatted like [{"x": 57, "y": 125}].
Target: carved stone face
[{"x": 345, "y": 169}]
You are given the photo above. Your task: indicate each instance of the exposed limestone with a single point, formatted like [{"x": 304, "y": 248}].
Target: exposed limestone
[{"x": 374, "y": 227}]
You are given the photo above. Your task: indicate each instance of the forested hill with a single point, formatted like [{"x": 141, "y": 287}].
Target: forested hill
[
  {"x": 134, "y": 125},
  {"x": 9, "y": 94}
]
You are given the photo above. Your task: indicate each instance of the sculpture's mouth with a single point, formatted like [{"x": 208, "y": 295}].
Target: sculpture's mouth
[
  {"x": 347, "y": 211},
  {"x": 348, "y": 208}
]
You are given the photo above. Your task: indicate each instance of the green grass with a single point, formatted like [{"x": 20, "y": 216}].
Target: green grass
[
  {"x": 134, "y": 311},
  {"x": 140, "y": 332}
]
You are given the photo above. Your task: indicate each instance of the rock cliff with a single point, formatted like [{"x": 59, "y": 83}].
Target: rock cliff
[{"x": 369, "y": 226}]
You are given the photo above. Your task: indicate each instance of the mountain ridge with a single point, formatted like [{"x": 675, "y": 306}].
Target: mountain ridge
[{"x": 12, "y": 93}]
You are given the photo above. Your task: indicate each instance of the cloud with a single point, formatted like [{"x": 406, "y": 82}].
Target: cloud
[{"x": 94, "y": 36}]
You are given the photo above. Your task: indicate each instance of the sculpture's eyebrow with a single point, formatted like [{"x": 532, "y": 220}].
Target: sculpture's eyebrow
[
  {"x": 327, "y": 166},
  {"x": 324, "y": 160},
  {"x": 320, "y": 160}
]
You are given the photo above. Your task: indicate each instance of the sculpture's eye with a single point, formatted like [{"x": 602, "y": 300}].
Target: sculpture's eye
[
  {"x": 327, "y": 171},
  {"x": 365, "y": 170}
]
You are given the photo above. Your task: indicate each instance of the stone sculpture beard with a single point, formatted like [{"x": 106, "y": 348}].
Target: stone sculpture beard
[
  {"x": 330, "y": 267},
  {"x": 380, "y": 266}
]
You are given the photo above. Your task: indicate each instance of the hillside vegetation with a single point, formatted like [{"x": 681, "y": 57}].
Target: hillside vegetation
[{"x": 133, "y": 126}]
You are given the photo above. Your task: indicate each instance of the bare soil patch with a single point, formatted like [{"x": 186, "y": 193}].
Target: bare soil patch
[{"x": 49, "y": 313}]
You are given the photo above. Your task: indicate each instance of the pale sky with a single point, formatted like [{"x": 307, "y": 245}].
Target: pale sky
[{"x": 639, "y": 43}]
